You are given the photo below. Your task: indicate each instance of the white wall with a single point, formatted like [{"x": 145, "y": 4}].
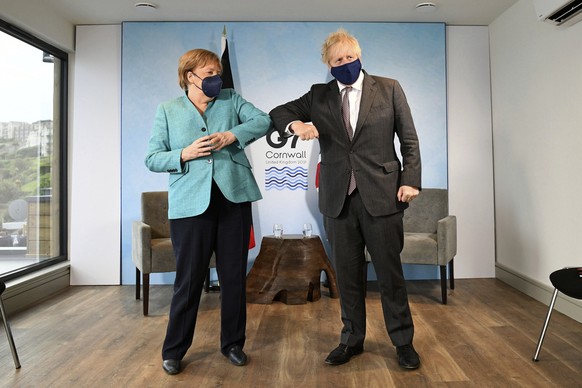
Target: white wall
[
  {"x": 95, "y": 157},
  {"x": 39, "y": 19},
  {"x": 537, "y": 136},
  {"x": 470, "y": 150},
  {"x": 95, "y": 164}
]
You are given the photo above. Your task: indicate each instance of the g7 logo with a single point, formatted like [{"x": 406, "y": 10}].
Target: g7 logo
[{"x": 277, "y": 141}]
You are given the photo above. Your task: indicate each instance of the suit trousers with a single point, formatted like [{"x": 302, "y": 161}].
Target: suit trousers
[
  {"x": 225, "y": 229},
  {"x": 348, "y": 234}
]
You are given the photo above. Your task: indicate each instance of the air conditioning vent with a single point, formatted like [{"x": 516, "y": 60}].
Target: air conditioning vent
[
  {"x": 566, "y": 12},
  {"x": 559, "y": 12}
]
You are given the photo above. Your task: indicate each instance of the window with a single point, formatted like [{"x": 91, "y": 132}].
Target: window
[{"x": 33, "y": 124}]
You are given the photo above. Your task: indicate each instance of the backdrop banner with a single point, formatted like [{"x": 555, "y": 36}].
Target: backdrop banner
[{"x": 272, "y": 63}]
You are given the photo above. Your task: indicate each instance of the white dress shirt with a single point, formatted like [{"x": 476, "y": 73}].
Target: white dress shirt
[{"x": 355, "y": 97}]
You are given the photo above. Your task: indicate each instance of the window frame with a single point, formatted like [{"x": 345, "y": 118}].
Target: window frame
[{"x": 63, "y": 146}]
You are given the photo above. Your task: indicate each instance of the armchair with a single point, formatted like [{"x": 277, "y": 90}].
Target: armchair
[
  {"x": 430, "y": 235},
  {"x": 152, "y": 250}
]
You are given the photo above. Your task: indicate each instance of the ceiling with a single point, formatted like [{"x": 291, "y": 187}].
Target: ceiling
[{"x": 451, "y": 12}]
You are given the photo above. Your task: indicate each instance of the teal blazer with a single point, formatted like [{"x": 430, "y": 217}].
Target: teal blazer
[{"x": 178, "y": 123}]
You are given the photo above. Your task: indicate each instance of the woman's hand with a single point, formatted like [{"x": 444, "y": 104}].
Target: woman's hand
[
  {"x": 205, "y": 145},
  {"x": 200, "y": 147},
  {"x": 222, "y": 139}
]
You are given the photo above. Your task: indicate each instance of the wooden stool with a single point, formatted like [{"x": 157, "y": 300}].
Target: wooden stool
[{"x": 288, "y": 270}]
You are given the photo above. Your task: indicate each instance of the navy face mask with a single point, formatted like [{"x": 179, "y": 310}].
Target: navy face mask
[
  {"x": 347, "y": 73},
  {"x": 210, "y": 85}
]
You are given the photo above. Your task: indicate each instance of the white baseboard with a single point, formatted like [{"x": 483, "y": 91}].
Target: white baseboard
[
  {"x": 541, "y": 292},
  {"x": 23, "y": 292}
]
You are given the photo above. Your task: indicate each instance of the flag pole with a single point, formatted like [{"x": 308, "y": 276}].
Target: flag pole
[
  {"x": 223, "y": 41},
  {"x": 227, "y": 82}
]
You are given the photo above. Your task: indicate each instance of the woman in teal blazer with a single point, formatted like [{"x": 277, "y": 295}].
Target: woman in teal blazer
[{"x": 199, "y": 139}]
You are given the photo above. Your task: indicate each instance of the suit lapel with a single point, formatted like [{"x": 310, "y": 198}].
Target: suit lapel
[
  {"x": 192, "y": 114},
  {"x": 368, "y": 94},
  {"x": 335, "y": 107}
]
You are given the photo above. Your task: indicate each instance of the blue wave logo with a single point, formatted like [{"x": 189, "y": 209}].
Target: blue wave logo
[{"x": 286, "y": 178}]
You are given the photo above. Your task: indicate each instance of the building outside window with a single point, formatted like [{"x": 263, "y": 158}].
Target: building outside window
[{"x": 32, "y": 153}]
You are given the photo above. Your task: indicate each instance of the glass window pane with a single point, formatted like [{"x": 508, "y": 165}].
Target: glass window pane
[{"x": 29, "y": 155}]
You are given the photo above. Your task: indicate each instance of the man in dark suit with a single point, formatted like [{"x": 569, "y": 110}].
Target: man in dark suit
[{"x": 363, "y": 189}]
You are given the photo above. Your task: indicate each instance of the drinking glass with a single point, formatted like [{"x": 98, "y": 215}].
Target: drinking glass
[
  {"x": 278, "y": 230},
  {"x": 307, "y": 231}
]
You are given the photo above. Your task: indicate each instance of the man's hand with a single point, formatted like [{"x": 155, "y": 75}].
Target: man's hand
[
  {"x": 407, "y": 193},
  {"x": 304, "y": 131}
]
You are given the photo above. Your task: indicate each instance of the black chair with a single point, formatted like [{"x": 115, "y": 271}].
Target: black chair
[
  {"x": 7, "y": 327},
  {"x": 567, "y": 281}
]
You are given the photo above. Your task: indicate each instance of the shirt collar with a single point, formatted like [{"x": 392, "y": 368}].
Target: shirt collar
[{"x": 356, "y": 85}]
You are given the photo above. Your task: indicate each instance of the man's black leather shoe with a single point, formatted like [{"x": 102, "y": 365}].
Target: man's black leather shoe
[
  {"x": 407, "y": 357},
  {"x": 236, "y": 356},
  {"x": 343, "y": 353},
  {"x": 172, "y": 367}
]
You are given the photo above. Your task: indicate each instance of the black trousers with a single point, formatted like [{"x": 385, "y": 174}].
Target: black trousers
[
  {"x": 348, "y": 234},
  {"x": 225, "y": 229}
]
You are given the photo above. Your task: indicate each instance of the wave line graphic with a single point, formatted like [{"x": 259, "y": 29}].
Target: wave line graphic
[{"x": 286, "y": 178}]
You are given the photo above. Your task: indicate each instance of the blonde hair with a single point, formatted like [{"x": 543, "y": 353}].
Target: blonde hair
[
  {"x": 341, "y": 36},
  {"x": 194, "y": 59}
]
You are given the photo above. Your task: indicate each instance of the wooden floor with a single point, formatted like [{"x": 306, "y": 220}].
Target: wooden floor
[{"x": 484, "y": 337}]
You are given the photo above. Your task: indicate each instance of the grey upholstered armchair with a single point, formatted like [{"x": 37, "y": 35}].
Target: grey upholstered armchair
[
  {"x": 152, "y": 250},
  {"x": 430, "y": 235}
]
